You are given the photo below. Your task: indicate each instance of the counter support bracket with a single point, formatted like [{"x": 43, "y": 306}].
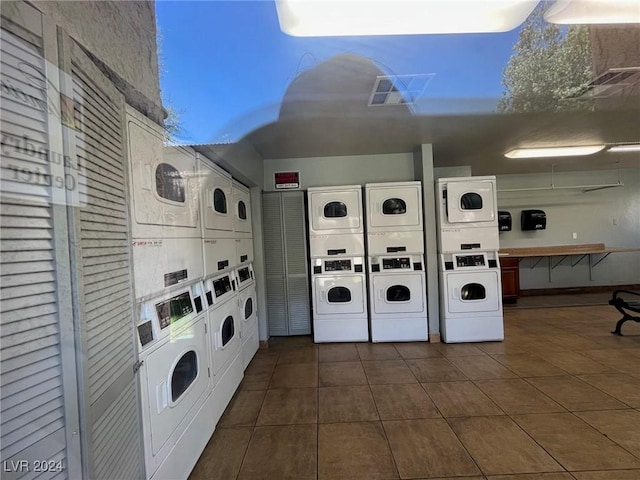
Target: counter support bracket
[
  {"x": 573, "y": 264},
  {"x": 533, "y": 265},
  {"x": 559, "y": 262}
]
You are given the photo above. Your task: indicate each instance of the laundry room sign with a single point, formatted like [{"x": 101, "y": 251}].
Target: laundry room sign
[{"x": 286, "y": 180}]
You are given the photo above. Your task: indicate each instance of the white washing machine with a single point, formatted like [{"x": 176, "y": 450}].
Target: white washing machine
[
  {"x": 471, "y": 297},
  {"x": 394, "y": 218},
  {"x": 249, "y": 334},
  {"x": 226, "y": 359},
  {"x": 225, "y": 334},
  {"x": 397, "y": 298},
  {"x": 467, "y": 214},
  {"x": 164, "y": 210},
  {"x": 339, "y": 293},
  {"x": 218, "y": 218},
  {"x": 248, "y": 313},
  {"x": 175, "y": 380}
]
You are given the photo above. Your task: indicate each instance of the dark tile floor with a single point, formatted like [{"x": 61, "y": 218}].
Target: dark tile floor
[{"x": 559, "y": 399}]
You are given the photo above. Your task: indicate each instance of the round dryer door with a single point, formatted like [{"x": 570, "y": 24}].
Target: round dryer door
[
  {"x": 402, "y": 293},
  {"x": 175, "y": 378},
  {"x": 335, "y": 295},
  {"x": 473, "y": 292}
]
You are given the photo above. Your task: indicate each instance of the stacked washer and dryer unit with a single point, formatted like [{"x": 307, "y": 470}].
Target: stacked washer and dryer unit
[
  {"x": 338, "y": 280},
  {"x": 395, "y": 244},
  {"x": 191, "y": 246},
  {"x": 218, "y": 243},
  {"x": 469, "y": 268},
  {"x": 170, "y": 309}
]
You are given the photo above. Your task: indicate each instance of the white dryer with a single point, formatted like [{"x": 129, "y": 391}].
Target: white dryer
[
  {"x": 335, "y": 210},
  {"x": 394, "y": 218},
  {"x": 241, "y": 210},
  {"x": 221, "y": 296},
  {"x": 249, "y": 334},
  {"x": 218, "y": 218},
  {"x": 467, "y": 214},
  {"x": 470, "y": 297},
  {"x": 397, "y": 298},
  {"x": 248, "y": 313},
  {"x": 164, "y": 210},
  {"x": 336, "y": 224},
  {"x": 175, "y": 380},
  {"x": 339, "y": 294},
  {"x": 224, "y": 335}
]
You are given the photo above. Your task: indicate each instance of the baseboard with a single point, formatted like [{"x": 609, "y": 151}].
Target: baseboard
[
  {"x": 576, "y": 290},
  {"x": 264, "y": 344},
  {"x": 434, "y": 338}
]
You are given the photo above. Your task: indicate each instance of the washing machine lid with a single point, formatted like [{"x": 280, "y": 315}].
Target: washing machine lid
[
  {"x": 473, "y": 292},
  {"x": 345, "y": 294},
  {"x": 398, "y": 294},
  {"x": 395, "y": 206},
  {"x": 336, "y": 211},
  {"x": 471, "y": 202}
]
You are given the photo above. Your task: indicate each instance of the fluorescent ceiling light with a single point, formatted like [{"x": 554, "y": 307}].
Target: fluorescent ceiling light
[
  {"x": 321, "y": 18},
  {"x": 593, "y": 11},
  {"x": 553, "y": 151},
  {"x": 630, "y": 147}
]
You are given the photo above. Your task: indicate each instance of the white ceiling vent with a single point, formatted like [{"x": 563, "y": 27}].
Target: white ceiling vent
[
  {"x": 398, "y": 89},
  {"x": 610, "y": 82}
]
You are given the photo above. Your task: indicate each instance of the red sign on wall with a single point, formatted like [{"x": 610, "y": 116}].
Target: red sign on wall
[{"x": 287, "y": 180}]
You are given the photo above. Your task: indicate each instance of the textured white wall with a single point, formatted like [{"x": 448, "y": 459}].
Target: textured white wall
[
  {"x": 610, "y": 216},
  {"x": 344, "y": 170},
  {"x": 121, "y": 34}
]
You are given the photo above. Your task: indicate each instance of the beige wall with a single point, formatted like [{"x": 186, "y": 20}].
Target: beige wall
[{"x": 344, "y": 170}]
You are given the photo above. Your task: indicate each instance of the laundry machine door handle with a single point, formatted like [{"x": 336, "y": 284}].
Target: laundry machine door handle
[
  {"x": 380, "y": 294},
  {"x": 456, "y": 293},
  {"x": 323, "y": 296},
  {"x": 162, "y": 396}
]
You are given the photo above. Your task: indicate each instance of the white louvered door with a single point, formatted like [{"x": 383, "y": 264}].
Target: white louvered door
[
  {"x": 39, "y": 408},
  {"x": 103, "y": 271},
  {"x": 285, "y": 252}
]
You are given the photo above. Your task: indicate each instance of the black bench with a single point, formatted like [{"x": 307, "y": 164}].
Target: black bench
[{"x": 627, "y": 303}]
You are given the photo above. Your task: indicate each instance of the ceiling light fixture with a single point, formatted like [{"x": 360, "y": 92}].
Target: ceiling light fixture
[
  {"x": 322, "y": 18},
  {"x": 570, "y": 12},
  {"x": 553, "y": 151},
  {"x": 629, "y": 147}
]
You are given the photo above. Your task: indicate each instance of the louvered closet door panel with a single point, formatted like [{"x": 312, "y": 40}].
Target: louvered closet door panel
[
  {"x": 32, "y": 402},
  {"x": 274, "y": 264},
  {"x": 296, "y": 263},
  {"x": 105, "y": 297}
]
